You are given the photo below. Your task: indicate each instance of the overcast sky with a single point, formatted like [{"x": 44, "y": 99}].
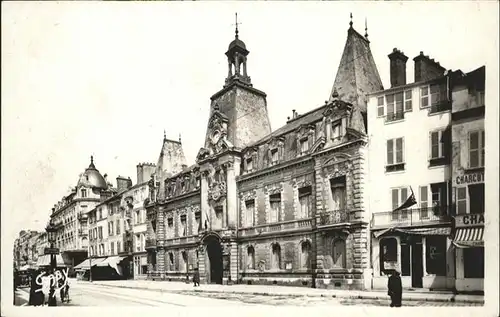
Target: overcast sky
[{"x": 108, "y": 78}]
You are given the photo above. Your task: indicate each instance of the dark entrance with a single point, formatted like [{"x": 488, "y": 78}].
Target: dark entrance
[
  {"x": 417, "y": 269},
  {"x": 214, "y": 252}
]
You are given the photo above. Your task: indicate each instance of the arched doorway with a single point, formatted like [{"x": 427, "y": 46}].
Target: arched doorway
[{"x": 213, "y": 267}]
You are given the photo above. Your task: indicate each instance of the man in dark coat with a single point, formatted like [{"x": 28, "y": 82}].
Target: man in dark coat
[
  {"x": 196, "y": 277},
  {"x": 395, "y": 289}
]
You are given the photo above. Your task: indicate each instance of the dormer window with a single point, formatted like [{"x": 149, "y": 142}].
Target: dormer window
[
  {"x": 249, "y": 163},
  {"x": 304, "y": 145},
  {"x": 274, "y": 156},
  {"x": 183, "y": 185},
  {"x": 84, "y": 193},
  {"x": 336, "y": 132}
]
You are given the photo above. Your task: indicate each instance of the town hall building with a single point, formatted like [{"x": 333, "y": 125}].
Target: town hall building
[{"x": 264, "y": 206}]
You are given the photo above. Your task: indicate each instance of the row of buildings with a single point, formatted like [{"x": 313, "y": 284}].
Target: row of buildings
[{"x": 373, "y": 180}]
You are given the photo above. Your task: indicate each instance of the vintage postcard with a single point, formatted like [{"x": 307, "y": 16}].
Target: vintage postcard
[{"x": 203, "y": 157}]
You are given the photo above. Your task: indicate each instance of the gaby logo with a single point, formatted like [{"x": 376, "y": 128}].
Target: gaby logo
[{"x": 52, "y": 280}]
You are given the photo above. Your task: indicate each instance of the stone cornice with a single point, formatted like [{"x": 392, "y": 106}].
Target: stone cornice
[
  {"x": 343, "y": 146},
  {"x": 274, "y": 168},
  {"x": 240, "y": 85},
  {"x": 180, "y": 197}
]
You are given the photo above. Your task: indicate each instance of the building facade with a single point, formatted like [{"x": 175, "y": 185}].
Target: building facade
[
  {"x": 70, "y": 215},
  {"x": 26, "y": 249},
  {"x": 405, "y": 163},
  {"x": 270, "y": 207},
  {"x": 468, "y": 159}
]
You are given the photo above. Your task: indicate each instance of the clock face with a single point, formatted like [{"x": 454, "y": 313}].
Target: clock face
[{"x": 215, "y": 137}]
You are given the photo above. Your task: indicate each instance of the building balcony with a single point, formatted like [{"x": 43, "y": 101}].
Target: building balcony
[
  {"x": 413, "y": 217},
  {"x": 277, "y": 227},
  {"x": 440, "y": 107},
  {"x": 150, "y": 243},
  {"x": 337, "y": 217}
]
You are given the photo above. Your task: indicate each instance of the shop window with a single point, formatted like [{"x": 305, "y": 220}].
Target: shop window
[
  {"x": 476, "y": 198},
  {"x": 305, "y": 251},
  {"x": 435, "y": 255},
  {"x": 339, "y": 253},
  {"x": 388, "y": 255},
  {"x": 473, "y": 262},
  {"x": 251, "y": 258}
]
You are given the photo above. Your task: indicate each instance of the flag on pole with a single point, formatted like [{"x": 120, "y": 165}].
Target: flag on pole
[{"x": 410, "y": 201}]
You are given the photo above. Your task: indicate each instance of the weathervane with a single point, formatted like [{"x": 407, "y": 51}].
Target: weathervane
[{"x": 236, "y": 24}]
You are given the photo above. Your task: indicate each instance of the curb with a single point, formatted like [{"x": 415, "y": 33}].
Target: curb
[{"x": 372, "y": 297}]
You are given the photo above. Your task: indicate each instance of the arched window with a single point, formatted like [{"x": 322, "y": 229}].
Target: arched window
[
  {"x": 305, "y": 252},
  {"x": 338, "y": 253},
  {"x": 276, "y": 257},
  {"x": 388, "y": 254},
  {"x": 251, "y": 258}
]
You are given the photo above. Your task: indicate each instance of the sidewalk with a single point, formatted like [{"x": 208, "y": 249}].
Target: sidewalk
[{"x": 270, "y": 290}]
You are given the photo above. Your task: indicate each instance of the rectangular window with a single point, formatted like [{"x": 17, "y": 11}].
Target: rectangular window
[
  {"x": 435, "y": 255},
  {"x": 183, "y": 228},
  {"x": 118, "y": 226},
  {"x": 249, "y": 212},
  {"x": 390, "y": 105},
  {"x": 170, "y": 223},
  {"x": 84, "y": 193},
  {"x": 274, "y": 156},
  {"x": 338, "y": 190},
  {"x": 336, "y": 133},
  {"x": 380, "y": 107},
  {"x": 476, "y": 149},
  {"x": 275, "y": 201},
  {"x": 197, "y": 219},
  {"x": 305, "y": 202},
  {"x": 112, "y": 248},
  {"x": 304, "y": 145},
  {"x": 118, "y": 247},
  {"x": 395, "y": 154},
  {"x": 476, "y": 198},
  {"x": 473, "y": 262},
  {"x": 424, "y": 202},
  {"x": 249, "y": 164},
  {"x": 398, "y": 197},
  {"x": 430, "y": 95},
  {"x": 437, "y": 145},
  {"x": 408, "y": 100},
  {"x": 461, "y": 200}
]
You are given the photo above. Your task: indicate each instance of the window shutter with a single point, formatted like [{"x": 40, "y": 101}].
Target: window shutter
[
  {"x": 395, "y": 198},
  {"x": 390, "y": 152}
]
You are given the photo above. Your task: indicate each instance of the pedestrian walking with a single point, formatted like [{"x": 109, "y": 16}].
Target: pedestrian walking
[
  {"x": 395, "y": 289},
  {"x": 196, "y": 277}
]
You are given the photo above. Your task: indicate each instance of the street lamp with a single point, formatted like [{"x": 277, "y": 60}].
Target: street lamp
[{"x": 51, "y": 237}]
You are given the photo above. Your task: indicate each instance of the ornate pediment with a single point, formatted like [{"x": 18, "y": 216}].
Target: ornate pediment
[
  {"x": 305, "y": 130},
  {"x": 301, "y": 182},
  {"x": 248, "y": 195},
  {"x": 202, "y": 154},
  {"x": 249, "y": 152},
  {"x": 336, "y": 108},
  {"x": 336, "y": 158},
  {"x": 273, "y": 188},
  {"x": 319, "y": 144},
  {"x": 276, "y": 142}
]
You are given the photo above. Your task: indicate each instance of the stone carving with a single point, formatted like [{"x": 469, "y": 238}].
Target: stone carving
[
  {"x": 203, "y": 153},
  {"x": 248, "y": 195},
  {"x": 216, "y": 183},
  {"x": 301, "y": 182},
  {"x": 217, "y": 190},
  {"x": 336, "y": 108},
  {"x": 273, "y": 189},
  {"x": 305, "y": 130}
]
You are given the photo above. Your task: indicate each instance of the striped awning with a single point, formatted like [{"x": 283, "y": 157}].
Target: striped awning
[
  {"x": 440, "y": 231},
  {"x": 85, "y": 265},
  {"x": 44, "y": 260},
  {"x": 469, "y": 237}
]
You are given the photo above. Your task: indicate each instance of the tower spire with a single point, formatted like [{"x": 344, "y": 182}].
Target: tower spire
[
  {"x": 236, "y": 24},
  {"x": 350, "y": 23}
]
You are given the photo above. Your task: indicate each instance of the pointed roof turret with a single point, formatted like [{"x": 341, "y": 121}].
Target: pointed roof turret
[{"x": 357, "y": 74}]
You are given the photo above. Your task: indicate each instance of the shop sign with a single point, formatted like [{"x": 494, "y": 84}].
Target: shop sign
[
  {"x": 471, "y": 178},
  {"x": 469, "y": 220}
]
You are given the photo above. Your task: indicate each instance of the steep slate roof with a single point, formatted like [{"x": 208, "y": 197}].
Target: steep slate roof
[
  {"x": 357, "y": 74},
  {"x": 171, "y": 158}
]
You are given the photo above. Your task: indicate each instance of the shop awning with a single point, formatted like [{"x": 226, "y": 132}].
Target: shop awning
[
  {"x": 113, "y": 262},
  {"x": 26, "y": 267},
  {"x": 469, "y": 237},
  {"x": 442, "y": 231},
  {"x": 44, "y": 260},
  {"x": 85, "y": 265}
]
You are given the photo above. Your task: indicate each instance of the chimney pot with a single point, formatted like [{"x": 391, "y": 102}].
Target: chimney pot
[
  {"x": 421, "y": 53},
  {"x": 397, "y": 67}
]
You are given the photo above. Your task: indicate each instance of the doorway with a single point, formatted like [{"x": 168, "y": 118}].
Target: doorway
[
  {"x": 417, "y": 270},
  {"x": 214, "y": 267}
]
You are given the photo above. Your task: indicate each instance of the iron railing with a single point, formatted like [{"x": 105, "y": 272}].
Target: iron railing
[
  {"x": 412, "y": 217},
  {"x": 395, "y": 116}
]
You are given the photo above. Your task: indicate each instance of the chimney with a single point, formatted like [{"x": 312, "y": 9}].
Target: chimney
[
  {"x": 398, "y": 68},
  {"x": 426, "y": 68},
  {"x": 293, "y": 114},
  {"x": 123, "y": 183},
  {"x": 144, "y": 172}
]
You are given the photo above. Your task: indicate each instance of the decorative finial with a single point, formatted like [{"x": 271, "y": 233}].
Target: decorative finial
[
  {"x": 164, "y": 135},
  {"x": 92, "y": 159},
  {"x": 366, "y": 28},
  {"x": 179, "y": 138},
  {"x": 350, "y": 23},
  {"x": 335, "y": 94},
  {"x": 236, "y": 24}
]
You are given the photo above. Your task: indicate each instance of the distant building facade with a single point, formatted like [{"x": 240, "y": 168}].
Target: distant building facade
[
  {"x": 261, "y": 207},
  {"x": 70, "y": 215},
  {"x": 26, "y": 249},
  {"x": 467, "y": 177}
]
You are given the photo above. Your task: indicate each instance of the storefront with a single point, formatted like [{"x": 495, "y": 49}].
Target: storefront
[
  {"x": 423, "y": 256},
  {"x": 140, "y": 265},
  {"x": 468, "y": 241}
]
